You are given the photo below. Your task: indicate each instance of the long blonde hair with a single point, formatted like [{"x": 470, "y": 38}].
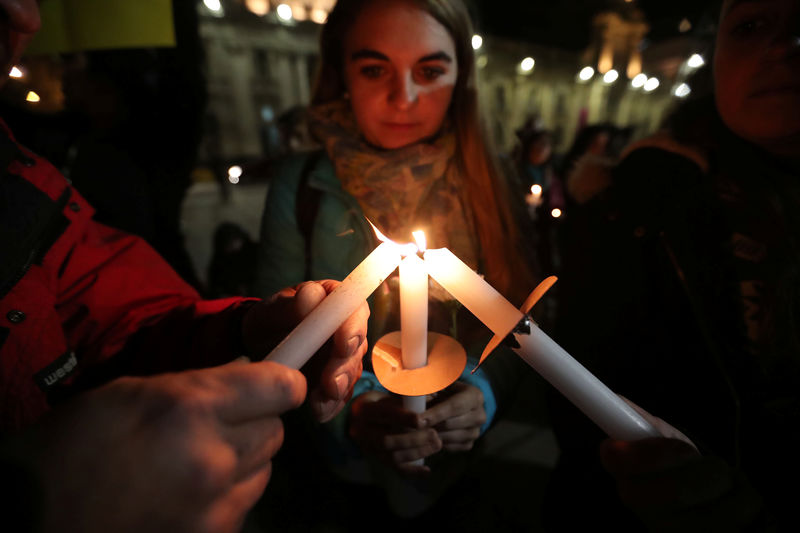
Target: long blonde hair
[{"x": 486, "y": 188}]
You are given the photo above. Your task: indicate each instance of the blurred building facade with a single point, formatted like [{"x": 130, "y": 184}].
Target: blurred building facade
[
  {"x": 261, "y": 63},
  {"x": 261, "y": 57}
]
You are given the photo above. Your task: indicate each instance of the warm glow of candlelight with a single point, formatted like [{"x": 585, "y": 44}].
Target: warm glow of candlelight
[
  {"x": 406, "y": 249},
  {"x": 536, "y": 190},
  {"x": 419, "y": 237}
]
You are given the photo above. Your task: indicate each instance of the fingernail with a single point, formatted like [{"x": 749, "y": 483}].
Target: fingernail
[
  {"x": 342, "y": 385},
  {"x": 352, "y": 345},
  {"x": 325, "y": 409}
]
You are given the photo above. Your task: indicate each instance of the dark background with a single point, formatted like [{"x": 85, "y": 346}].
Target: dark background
[{"x": 567, "y": 23}]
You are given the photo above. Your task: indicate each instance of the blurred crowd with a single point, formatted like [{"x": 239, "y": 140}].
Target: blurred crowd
[{"x": 677, "y": 253}]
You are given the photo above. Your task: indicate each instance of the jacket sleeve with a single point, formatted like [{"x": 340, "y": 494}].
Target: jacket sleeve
[
  {"x": 118, "y": 297},
  {"x": 281, "y": 251}
]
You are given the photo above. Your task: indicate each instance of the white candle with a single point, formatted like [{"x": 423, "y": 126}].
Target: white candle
[
  {"x": 414, "y": 312},
  {"x": 561, "y": 370},
  {"x": 471, "y": 290},
  {"x": 581, "y": 387},
  {"x": 316, "y": 328},
  {"x": 414, "y": 323}
]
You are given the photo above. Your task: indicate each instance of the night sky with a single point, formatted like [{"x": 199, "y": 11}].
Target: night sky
[{"x": 567, "y": 23}]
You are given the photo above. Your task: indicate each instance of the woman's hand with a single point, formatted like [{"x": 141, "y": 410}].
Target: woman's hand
[
  {"x": 382, "y": 427},
  {"x": 457, "y": 415}
]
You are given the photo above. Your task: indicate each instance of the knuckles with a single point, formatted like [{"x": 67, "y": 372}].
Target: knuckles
[{"x": 287, "y": 384}]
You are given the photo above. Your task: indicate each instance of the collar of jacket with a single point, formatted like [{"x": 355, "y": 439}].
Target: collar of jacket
[
  {"x": 30, "y": 220},
  {"x": 323, "y": 178}
]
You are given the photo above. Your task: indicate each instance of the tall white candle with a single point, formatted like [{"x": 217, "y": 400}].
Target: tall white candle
[
  {"x": 414, "y": 312},
  {"x": 572, "y": 379},
  {"x": 471, "y": 290},
  {"x": 316, "y": 328},
  {"x": 581, "y": 387},
  {"x": 414, "y": 323}
]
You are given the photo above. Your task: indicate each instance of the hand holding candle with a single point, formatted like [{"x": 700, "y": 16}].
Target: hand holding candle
[
  {"x": 316, "y": 328},
  {"x": 572, "y": 379},
  {"x": 334, "y": 372}
]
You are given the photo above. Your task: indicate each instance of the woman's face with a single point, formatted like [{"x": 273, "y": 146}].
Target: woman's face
[
  {"x": 400, "y": 69},
  {"x": 757, "y": 72}
]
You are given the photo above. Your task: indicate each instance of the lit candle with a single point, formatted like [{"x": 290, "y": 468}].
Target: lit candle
[
  {"x": 414, "y": 319},
  {"x": 470, "y": 289},
  {"x": 414, "y": 308},
  {"x": 318, "y": 326},
  {"x": 552, "y": 362}
]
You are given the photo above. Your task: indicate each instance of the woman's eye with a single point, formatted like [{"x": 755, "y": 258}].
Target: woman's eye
[
  {"x": 431, "y": 73},
  {"x": 372, "y": 71},
  {"x": 749, "y": 27}
]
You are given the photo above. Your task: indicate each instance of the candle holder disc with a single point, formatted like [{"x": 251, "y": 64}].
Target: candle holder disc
[
  {"x": 446, "y": 361},
  {"x": 527, "y": 305}
]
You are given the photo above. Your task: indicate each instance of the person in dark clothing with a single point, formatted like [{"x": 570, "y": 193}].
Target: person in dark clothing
[
  {"x": 232, "y": 271},
  {"x": 122, "y": 403},
  {"x": 682, "y": 294}
]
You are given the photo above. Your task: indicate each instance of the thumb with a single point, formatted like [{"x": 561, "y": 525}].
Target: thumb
[{"x": 308, "y": 296}]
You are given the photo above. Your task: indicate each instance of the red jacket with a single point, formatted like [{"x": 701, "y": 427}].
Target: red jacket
[{"x": 81, "y": 303}]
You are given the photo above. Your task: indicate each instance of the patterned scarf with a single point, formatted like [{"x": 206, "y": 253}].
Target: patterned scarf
[{"x": 415, "y": 187}]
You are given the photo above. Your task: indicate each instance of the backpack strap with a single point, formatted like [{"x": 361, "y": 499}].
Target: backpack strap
[{"x": 307, "y": 206}]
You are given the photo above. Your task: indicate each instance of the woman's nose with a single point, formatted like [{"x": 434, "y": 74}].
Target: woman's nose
[{"x": 404, "y": 91}]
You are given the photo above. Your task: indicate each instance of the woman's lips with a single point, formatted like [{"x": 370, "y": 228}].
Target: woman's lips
[{"x": 400, "y": 125}]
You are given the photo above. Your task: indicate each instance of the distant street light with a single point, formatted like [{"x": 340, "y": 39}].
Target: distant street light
[
  {"x": 319, "y": 16},
  {"x": 213, "y": 5},
  {"x": 651, "y": 84},
  {"x": 258, "y": 7},
  {"x": 284, "y": 12},
  {"x": 696, "y": 61},
  {"x": 235, "y": 172},
  {"x": 477, "y": 41},
  {"x": 639, "y": 80},
  {"x": 527, "y": 64},
  {"x": 610, "y": 76},
  {"x": 682, "y": 90},
  {"x": 586, "y": 73}
]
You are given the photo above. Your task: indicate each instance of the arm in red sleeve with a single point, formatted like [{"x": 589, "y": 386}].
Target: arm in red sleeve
[{"x": 118, "y": 297}]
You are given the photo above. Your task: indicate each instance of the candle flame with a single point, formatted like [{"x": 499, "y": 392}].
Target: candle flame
[
  {"x": 381, "y": 236},
  {"x": 419, "y": 237},
  {"x": 403, "y": 249}
]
